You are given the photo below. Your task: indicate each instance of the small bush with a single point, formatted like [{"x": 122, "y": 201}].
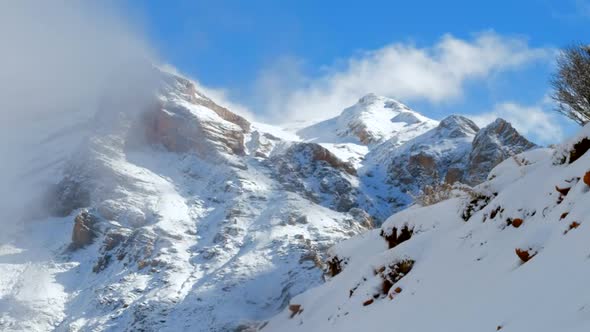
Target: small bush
[
  {"x": 571, "y": 83},
  {"x": 295, "y": 309},
  {"x": 334, "y": 266},
  {"x": 573, "y": 225},
  {"x": 495, "y": 212},
  {"x": 394, "y": 273},
  {"x": 477, "y": 202},
  {"x": 579, "y": 149},
  {"x": 394, "y": 239}
]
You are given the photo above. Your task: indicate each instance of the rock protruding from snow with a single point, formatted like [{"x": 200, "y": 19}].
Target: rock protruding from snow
[
  {"x": 185, "y": 120},
  {"x": 85, "y": 230},
  {"x": 319, "y": 175},
  {"x": 455, "y": 126},
  {"x": 427, "y": 159},
  {"x": 493, "y": 144}
]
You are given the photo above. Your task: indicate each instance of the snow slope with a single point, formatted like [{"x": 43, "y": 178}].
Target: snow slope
[{"x": 511, "y": 255}]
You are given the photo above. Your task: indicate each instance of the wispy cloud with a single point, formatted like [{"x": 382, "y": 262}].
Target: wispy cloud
[
  {"x": 436, "y": 74},
  {"x": 57, "y": 59},
  {"x": 538, "y": 121}
]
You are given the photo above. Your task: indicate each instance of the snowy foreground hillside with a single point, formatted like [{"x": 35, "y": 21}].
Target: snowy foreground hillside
[
  {"x": 175, "y": 214},
  {"x": 512, "y": 254}
]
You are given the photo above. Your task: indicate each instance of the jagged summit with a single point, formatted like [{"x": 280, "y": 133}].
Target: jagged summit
[
  {"x": 457, "y": 126},
  {"x": 493, "y": 144},
  {"x": 454, "y": 151}
]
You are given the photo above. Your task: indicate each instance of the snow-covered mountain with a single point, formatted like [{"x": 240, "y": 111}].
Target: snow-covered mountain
[
  {"x": 511, "y": 254},
  {"x": 374, "y": 119},
  {"x": 178, "y": 214}
]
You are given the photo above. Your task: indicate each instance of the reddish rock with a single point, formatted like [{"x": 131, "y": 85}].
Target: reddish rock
[
  {"x": 398, "y": 290},
  {"x": 587, "y": 178},
  {"x": 84, "y": 230},
  {"x": 524, "y": 255},
  {"x": 573, "y": 225},
  {"x": 517, "y": 222},
  {"x": 321, "y": 153},
  {"x": 368, "y": 302}
]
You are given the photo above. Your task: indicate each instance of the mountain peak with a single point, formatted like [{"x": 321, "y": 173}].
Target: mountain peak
[
  {"x": 369, "y": 98},
  {"x": 492, "y": 144},
  {"x": 457, "y": 126},
  {"x": 372, "y": 120}
]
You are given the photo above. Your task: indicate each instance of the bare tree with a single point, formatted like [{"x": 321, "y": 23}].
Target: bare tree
[{"x": 571, "y": 83}]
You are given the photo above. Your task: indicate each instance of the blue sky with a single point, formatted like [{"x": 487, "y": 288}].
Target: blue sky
[{"x": 287, "y": 60}]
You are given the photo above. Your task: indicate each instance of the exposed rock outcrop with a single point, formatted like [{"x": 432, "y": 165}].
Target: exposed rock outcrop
[
  {"x": 85, "y": 230},
  {"x": 493, "y": 144},
  {"x": 427, "y": 159},
  {"x": 311, "y": 169},
  {"x": 185, "y": 120}
]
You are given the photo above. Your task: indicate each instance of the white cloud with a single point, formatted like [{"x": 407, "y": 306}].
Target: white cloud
[
  {"x": 405, "y": 71},
  {"x": 537, "y": 122}
]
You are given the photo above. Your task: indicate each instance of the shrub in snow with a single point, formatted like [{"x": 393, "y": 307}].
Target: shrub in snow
[
  {"x": 571, "y": 84},
  {"x": 295, "y": 309},
  {"x": 394, "y": 273},
  {"x": 393, "y": 239},
  {"x": 494, "y": 212},
  {"x": 579, "y": 149},
  {"x": 571, "y": 153},
  {"x": 478, "y": 201},
  {"x": 571, "y": 226},
  {"x": 335, "y": 266},
  {"x": 367, "y": 302}
]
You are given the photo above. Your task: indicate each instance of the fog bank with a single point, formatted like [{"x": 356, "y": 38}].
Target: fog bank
[{"x": 57, "y": 59}]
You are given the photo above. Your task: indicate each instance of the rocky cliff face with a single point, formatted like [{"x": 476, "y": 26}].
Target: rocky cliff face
[
  {"x": 454, "y": 151},
  {"x": 493, "y": 144}
]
